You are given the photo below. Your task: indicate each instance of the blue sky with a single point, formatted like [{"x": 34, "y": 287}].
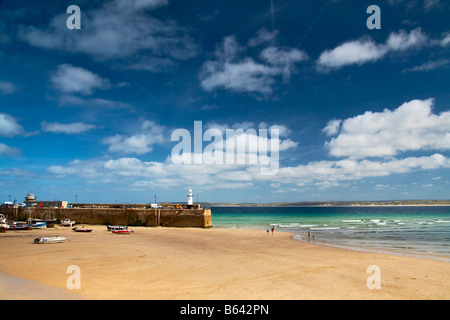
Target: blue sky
[{"x": 362, "y": 114}]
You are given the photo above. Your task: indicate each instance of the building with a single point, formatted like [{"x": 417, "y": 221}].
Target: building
[{"x": 31, "y": 201}]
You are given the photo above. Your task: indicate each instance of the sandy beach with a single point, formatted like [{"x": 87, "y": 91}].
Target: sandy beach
[{"x": 189, "y": 263}]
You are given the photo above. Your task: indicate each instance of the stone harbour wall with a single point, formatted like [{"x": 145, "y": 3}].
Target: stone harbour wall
[{"x": 200, "y": 218}]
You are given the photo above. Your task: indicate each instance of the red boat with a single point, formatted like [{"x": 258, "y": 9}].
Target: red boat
[{"x": 125, "y": 231}]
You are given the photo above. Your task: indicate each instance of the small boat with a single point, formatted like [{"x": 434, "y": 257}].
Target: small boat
[
  {"x": 123, "y": 231},
  {"x": 111, "y": 228},
  {"x": 18, "y": 226},
  {"x": 39, "y": 225},
  {"x": 36, "y": 224},
  {"x": 81, "y": 229},
  {"x": 49, "y": 239},
  {"x": 68, "y": 223}
]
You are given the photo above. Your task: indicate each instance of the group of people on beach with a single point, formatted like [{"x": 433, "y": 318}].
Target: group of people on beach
[{"x": 309, "y": 233}]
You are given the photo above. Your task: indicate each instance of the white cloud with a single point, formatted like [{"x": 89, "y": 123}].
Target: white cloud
[
  {"x": 283, "y": 59},
  {"x": 245, "y": 76},
  {"x": 70, "y": 79},
  {"x": 410, "y": 127},
  {"x": 7, "y": 87},
  {"x": 429, "y": 5},
  {"x": 352, "y": 52},
  {"x": 8, "y": 151},
  {"x": 9, "y": 126},
  {"x": 352, "y": 169},
  {"x": 332, "y": 127},
  {"x": 139, "y": 143},
  {"x": 371, "y": 145},
  {"x": 119, "y": 30},
  {"x": 428, "y": 66},
  {"x": 446, "y": 40},
  {"x": 68, "y": 128},
  {"x": 402, "y": 41},
  {"x": 366, "y": 50},
  {"x": 70, "y": 101},
  {"x": 323, "y": 174},
  {"x": 233, "y": 72},
  {"x": 263, "y": 36}
]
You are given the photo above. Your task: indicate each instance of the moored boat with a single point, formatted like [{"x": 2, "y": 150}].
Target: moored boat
[
  {"x": 81, "y": 229},
  {"x": 124, "y": 231},
  {"x": 49, "y": 239},
  {"x": 18, "y": 226},
  {"x": 67, "y": 223},
  {"x": 36, "y": 223},
  {"x": 111, "y": 228}
]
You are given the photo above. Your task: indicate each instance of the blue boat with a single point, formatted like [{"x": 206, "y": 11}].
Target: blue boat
[
  {"x": 18, "y": 226},
  {"x": 37, "y": 223}
]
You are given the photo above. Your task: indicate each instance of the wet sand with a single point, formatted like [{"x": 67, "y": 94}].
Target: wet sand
[{"x": 192, "y": 263}]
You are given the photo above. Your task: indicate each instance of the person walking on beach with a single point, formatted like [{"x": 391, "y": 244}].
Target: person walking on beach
[{"x": 272, "y": 229}]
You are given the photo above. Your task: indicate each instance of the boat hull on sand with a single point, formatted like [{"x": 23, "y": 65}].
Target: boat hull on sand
[
  {"x": 49, "y": 239},
  {"x": 81, "y": 230},
  {"x": 126, "y": 231}
]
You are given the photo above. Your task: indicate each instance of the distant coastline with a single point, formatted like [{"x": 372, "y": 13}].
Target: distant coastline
[{"x": 333, "y": 203}]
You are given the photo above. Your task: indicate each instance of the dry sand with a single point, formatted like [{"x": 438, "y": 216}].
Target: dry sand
[{"x": 191, "y": 264}]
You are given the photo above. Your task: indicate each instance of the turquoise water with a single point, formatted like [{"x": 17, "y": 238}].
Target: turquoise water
[{"x": 423, "y": 230}]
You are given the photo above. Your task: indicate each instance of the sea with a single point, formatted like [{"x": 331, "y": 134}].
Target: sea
[{"x": 422, "y": 231}]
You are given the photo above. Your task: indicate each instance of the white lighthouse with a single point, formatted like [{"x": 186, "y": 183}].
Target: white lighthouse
[{"x": 190, "y": 201}]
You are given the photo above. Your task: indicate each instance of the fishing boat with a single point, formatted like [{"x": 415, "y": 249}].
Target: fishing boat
[
  {"x": 39, "y": 225},
  {"x": 123, "y": 231},
  {"x": 36, "y": 223},
  {"x": 49, "y": 239},
  {"x": 19, "y": 226},
  {"x": 68, "y": 223},
  {"x": 111, "y": 228},
  {"x": 81, "y": 229}
]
